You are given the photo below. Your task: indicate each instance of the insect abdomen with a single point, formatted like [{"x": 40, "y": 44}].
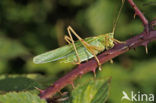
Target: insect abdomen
[{"x": 83, "y": 52}]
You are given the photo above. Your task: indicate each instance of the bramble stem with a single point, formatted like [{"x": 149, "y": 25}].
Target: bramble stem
[
  {"x": 141, "y": 15},
  {"x": 91, "y": 65}
]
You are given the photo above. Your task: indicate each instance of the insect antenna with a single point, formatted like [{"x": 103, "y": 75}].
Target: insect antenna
[{"x": 117, "y": 19}]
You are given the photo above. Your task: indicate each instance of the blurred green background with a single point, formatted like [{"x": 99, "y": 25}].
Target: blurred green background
[{"x": 31, "y": 27}]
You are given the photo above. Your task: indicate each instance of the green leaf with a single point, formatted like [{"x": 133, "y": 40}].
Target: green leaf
[
  {"x": 17, "y": 83},
  {"x": 21, "y": 97},
  {"x": 120, "y": 80},
  {"x": 95, "y": 91}
]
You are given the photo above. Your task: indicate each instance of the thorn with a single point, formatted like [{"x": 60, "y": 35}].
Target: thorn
[
  {"x": 111, "y": 61},
  {"x": 62, "y": 99},
  {"x": 41, "y": 91},
  {"x": 63, "y": 94},
  {"x": 146, "y": 49},
  {"x": 72, "y": 85},
  {"x": 134, "y": 15},
  {"x": 60, "y": 93},
  {"x": 100, "y": 67},
  {"x": 94, "y": 72}
]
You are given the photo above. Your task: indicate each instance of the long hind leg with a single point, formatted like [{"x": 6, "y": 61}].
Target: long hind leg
[
  {"x": 70, "y": 40},
  {"x": 92, "y": 51},
  {"x": 90, "y": 48}
]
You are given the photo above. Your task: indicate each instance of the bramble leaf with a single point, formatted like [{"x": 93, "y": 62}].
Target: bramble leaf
[
  {"x": 21, "y": 97},
  {"x": 95, "y": 91}
]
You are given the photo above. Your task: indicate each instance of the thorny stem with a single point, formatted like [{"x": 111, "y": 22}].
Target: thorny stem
[
  {"x": 144, "y": 21},
  {"x": 141, "y": 15},
  {"x": 91, "y": 65}
]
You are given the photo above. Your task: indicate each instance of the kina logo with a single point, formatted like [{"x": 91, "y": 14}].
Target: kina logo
[{"x": 137, "y": 96}]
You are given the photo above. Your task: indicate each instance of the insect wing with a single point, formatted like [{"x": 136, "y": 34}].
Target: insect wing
[{"x": 53, "y": 55}]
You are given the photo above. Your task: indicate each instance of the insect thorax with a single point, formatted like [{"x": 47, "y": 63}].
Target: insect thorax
[{"x": 107, "y": 40}]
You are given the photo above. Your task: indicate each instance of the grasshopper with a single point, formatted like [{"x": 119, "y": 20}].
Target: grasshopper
[{"x": 82, "y": 49}]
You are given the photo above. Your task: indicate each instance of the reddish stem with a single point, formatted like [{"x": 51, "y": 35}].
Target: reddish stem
[
  {"x": 141, "y": 15},
  {"x": 91, "y": 65}
]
